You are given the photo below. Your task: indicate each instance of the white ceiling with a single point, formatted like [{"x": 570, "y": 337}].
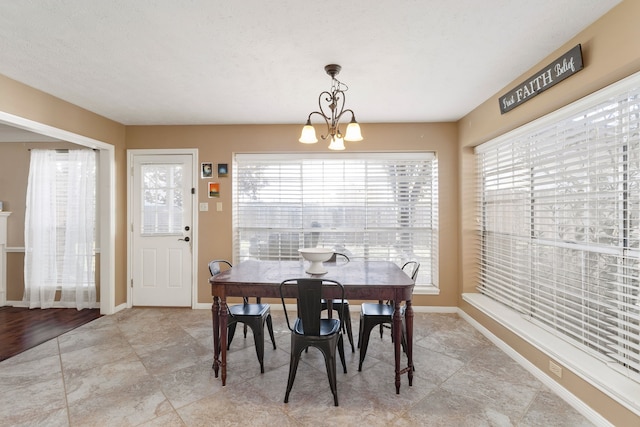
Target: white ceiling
[{"x": 255, "y": 61}]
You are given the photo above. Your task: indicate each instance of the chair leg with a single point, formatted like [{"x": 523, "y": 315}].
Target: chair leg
[
  {"x": 341, "y": 352},
  {"x": 231, "y": 332},
  {"x": 333, "y": 381},
  {"x": 270, "y": 328},
  {"x": 350, "y": 334},
  {"x": 360, "y": 331},
  {"x": 381, "y": 325},
  {"x": 329, "y": 354},
  {"x": 293, "y": 368},
  {"x": 363, "y": 340},
  {"x": 258, "y": 339},
  {"x": 346, "y": 324}
]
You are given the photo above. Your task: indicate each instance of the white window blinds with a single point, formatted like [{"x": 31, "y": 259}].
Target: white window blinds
[
  {"x": 369, "y": 206},
  {"x": 560, "y": 224}
]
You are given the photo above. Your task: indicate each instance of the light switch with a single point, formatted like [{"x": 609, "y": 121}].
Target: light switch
[
  {"x": 204, "y": 207},
  {"x": 219, "y": 206}
]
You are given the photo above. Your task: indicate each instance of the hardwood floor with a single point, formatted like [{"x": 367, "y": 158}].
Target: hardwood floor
[{"x": 22, "y": 328}]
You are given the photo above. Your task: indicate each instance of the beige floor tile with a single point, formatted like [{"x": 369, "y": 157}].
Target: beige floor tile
[{"x": 152, "y": 367}]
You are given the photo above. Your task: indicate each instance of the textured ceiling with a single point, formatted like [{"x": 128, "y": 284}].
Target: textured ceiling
[{"x": 254, "y": 61}]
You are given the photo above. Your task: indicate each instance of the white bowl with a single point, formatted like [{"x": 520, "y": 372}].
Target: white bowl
[{"x": 316, "y": 256}]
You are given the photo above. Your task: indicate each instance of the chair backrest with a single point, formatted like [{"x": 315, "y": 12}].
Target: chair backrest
[
  {"x": 310, "y": 295},
  {"x": 214, "y": 266},
  {"x": 411, "y": 268},
  {"x": 338, "y": 256}
]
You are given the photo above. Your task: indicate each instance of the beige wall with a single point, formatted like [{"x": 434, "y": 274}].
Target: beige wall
[
  {"x": 14, "y": 169},
  {"x": 611, "y": 51},
  {"x": 217, "y": 144},
  {"x": 23, "y": 101}
]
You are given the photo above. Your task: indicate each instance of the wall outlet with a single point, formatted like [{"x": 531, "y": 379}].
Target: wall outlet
[{"x": 555, "y": 369}]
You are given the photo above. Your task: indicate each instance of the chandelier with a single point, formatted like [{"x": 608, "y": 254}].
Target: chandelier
[{"x": 331, "y": 110}]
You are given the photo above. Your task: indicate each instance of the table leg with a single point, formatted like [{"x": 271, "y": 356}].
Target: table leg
[
  {"x": 397, "y": 340},
  {"x": 224, "y": 318},
  {"x": 408, "y": 315},
  {"x": 215, "y": 314}
]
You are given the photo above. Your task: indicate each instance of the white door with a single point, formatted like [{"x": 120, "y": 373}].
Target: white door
[{"x": 162, "y": 230}]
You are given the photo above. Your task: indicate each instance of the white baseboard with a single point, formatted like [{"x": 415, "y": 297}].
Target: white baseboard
[
  {"x": 119, "y": 307},
  {"x": 17, "y": 304},
  {"x": 609, "y": 381},
  {"x": 202, "y": 306},
  {"x": 56, "y": 304},
  {"x": 435, "y": 309}
]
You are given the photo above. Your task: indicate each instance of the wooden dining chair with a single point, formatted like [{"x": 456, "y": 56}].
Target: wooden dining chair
[
  {"x": 252, "y": 315},
  {"x": 309, "y": 329},
  {"x": 381, "y": 313}
]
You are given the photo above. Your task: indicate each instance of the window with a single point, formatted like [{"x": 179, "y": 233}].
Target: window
[
  {"x": 60, "y": 228},
  {"x": 369, "y": 206},
  {"x": 162, "y": 199},
  {"x": 560, "y": 224}
]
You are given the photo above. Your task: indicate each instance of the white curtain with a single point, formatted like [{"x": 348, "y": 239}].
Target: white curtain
[
  {"x": 60, "y": 229},
  {"x": 40, "y": 269}
]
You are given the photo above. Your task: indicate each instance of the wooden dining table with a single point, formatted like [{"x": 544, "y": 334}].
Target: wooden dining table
[{"x": 362, "y": 280}]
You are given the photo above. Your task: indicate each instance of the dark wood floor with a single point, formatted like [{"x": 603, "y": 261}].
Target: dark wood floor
[{"x": 22, "y": 328}]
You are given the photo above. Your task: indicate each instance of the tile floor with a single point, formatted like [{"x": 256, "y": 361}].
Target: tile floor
[{"x": 152, "y": 367}]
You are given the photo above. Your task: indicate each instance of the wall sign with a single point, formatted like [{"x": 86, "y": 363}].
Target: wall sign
[{"x": 563, "y": 67}]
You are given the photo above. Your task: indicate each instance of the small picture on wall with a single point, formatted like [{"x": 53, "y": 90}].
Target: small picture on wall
[
  {"x": 214, "y": 189},
  {"x": 223, "y": 169},
  {"x": 206, "y": 171}
]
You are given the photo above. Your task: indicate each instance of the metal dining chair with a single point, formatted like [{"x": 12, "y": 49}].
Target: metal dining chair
[
  {"x": 341, "y": 305},
  {"x": 309, "y": 329},
  {"x": 252, "y": 315},
  {"x": 372, "y": 314}
]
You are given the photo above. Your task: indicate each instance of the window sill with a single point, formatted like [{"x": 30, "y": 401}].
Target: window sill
[
  {"x": 620, "y": 388},
  {"x": 426, "y": 290}
]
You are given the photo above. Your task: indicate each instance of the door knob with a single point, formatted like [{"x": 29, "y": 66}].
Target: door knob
[{"x": 186, "y": 239}]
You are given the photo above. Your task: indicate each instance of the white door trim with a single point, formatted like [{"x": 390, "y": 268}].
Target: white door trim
[
  {"x": 106, "y": 194},
  {"x": 194, "y": 220}
]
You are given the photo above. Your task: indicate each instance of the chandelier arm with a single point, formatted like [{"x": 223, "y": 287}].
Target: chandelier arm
[
  {"x": 348, "y": 110},
  {"x": 326, "y": 120},
  {"x": 329, "y": 100}
]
